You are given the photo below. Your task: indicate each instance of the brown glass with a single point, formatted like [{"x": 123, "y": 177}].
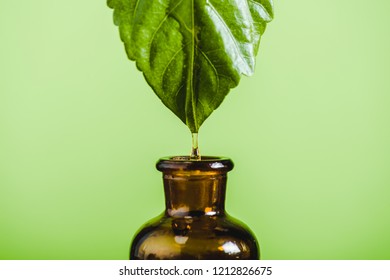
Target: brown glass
[{"x": 194, "y": 224}]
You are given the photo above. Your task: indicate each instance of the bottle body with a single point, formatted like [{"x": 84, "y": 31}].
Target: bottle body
[{"x": 194, "y": 224}]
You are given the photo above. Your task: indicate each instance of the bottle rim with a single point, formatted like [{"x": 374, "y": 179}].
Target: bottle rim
[{"x": 185, "y": 163}]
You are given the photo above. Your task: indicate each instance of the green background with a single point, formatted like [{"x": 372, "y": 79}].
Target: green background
[{"x": 80, "y": 132}]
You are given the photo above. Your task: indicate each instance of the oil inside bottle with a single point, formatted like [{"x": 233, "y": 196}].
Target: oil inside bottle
[{"x": 195, "y": 155}]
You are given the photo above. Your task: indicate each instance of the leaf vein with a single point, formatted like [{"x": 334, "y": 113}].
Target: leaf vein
[
  {"x": 229, "y": 32},
  {"x": 170, "y": 61},
  {"x": 160, "y": 25},
  {"x": 136, "y": 7},
  {"x": 212, "y": 66},
  {"x": 262, "y": 7}
]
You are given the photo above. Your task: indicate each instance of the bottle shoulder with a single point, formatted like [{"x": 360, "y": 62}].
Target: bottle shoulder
[{"x": 195, "y": 237}]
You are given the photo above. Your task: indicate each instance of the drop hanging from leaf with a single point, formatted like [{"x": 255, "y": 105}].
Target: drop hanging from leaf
[
  {"x": 192, "y": 52},
  {"x": 195, "y": 154}
]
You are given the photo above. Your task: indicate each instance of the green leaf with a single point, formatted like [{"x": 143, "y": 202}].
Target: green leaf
[{"x": 192, "y": 52}]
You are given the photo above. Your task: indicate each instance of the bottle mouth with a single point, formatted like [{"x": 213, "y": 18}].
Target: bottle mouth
[{"x": 185, "y": 163}]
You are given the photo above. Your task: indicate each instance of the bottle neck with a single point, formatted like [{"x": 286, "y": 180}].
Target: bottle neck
[{"x": 194, "y": 193}]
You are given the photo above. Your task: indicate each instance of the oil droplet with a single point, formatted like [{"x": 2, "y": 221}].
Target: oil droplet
[{"x": 195, "y": 155}]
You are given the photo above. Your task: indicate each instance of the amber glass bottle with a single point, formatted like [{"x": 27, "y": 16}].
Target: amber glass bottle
[{"x": 194, "y": 224}]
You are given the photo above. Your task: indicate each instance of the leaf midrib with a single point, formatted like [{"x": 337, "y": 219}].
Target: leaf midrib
[{"x": 190, "y": 75}]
